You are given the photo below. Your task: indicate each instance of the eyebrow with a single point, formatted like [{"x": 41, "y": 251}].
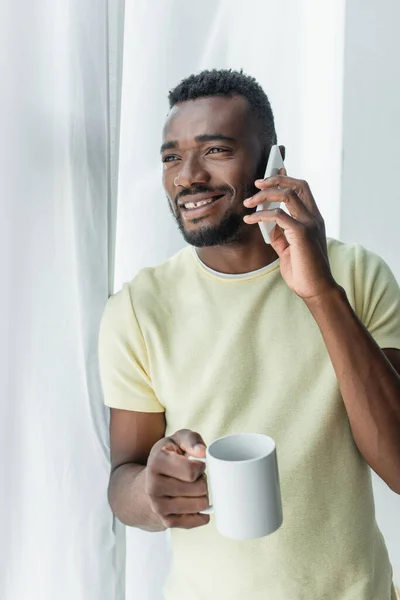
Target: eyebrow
[{"x": 205, "y": 137}]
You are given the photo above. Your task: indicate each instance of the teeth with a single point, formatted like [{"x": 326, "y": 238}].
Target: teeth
[{"x": 190, "y": 205}]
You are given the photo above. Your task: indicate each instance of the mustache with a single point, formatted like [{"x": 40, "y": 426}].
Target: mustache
[{"x": 203, "y": 189}]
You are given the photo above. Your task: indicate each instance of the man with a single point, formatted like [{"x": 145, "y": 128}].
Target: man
[{"x": 298, "y": 340}]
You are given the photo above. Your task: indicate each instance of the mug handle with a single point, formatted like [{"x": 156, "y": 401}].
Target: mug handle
[{"x": 210, "y": 509}]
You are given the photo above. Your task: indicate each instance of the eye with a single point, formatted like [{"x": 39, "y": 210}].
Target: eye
[
  {"x": 169, "y": 158},
  {"x": 217, "y": 150}
]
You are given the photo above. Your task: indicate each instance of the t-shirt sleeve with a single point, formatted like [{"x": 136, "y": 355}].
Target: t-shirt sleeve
[
  {"x": 123, "y": 359},
  {"x": 378, "y": 298}
]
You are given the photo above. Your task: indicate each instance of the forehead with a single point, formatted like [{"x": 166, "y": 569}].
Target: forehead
[{"x": 218, "y": 114}]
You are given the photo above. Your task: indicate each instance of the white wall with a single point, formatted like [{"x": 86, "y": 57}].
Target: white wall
[{"x": 370, "y": 202}]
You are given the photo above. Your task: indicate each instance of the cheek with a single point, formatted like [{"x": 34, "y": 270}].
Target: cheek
[
  {"x": 168, "y": 185},
  {"x": 238, "y": 172},
  {"x": 171, "y": 204},
  {"x": 166, "y": 180},
  {"x": 243, "y": 183}
]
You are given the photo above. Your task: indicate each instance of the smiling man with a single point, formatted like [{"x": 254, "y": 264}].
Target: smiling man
[{"x": 298, "y": 340}]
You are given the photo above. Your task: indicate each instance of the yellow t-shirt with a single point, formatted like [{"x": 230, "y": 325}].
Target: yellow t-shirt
[{"x": 243, "y": 354}]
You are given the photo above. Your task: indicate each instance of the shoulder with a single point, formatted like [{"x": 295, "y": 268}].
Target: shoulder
[
  {"x": 153, "y": 283},
  {"x": 352, "y": 259},
  {"x": 164, "y": 273},
  {"x": 151, "y": 287},
  {"x": 342, "y": 254},
  {"x": 364, "y": 275}
]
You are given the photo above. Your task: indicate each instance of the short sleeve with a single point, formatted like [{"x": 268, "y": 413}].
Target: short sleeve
[
  {"x": 378, "y": 298},
  {"x": 123, "y": 360}
]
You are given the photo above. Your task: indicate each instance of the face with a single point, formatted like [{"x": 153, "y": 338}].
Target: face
[{"x": 211, "y": 155}]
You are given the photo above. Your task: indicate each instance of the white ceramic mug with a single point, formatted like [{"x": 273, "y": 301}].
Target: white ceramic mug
[{"x": 244, "y": 485}]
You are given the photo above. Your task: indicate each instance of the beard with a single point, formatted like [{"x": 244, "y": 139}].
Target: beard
[
  {"x": 226, "y": 232},
  {"x": 229, "y": 230}
]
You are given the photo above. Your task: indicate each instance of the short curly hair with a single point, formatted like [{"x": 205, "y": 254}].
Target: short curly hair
[{"x": 227, "y": 82}]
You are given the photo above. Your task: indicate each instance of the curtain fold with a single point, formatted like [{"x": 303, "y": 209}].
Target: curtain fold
[{"x": 59, "y": 539}]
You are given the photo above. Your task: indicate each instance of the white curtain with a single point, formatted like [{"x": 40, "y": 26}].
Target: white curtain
[
  {"x": 62, "y": 166},
  {"x": 57, "y": 532},
  {"x": 295, "y": 50}
]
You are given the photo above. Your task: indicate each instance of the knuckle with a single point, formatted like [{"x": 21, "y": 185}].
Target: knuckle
[
  {"x": 202, "y": 486},
  {"x": 152, "y": 484},
  {"x": 187, "y": 436},
  {"x": 158, "y": 446},
  {"x": 155, "y": 453},
  {"x": 203, "y": 503},
  {"x": 157, "y": 505},
  {"x": 150, "y": 488},
  {"x": 152, "y": 462},
  {"x": 190, "y": 522},
  {"x": 169, "y": 521},
  {"x": 303, "y": 184},
  {"x": 199, "y": 521},
  {"x": 181, "y": 432},
  {"x": 185, "y": 521},
  {"x": 186, "y": 433},
  {"x": 194, "y": 472}
]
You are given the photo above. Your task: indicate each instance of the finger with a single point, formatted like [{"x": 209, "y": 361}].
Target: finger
[
  {"x": 299, "y": 186},
  {"x": 279, "y": 180},
  {"x": 287, "y": 196},
  {"x": 186, "y": 521},
  {"x": 181, "y": 506},
  {"x": 169, "y": 486},
  {"x": 277, "y": 214},
  {"x": 190, "y": 442},
  {"x": 270, "y": 195},
  {"x": 174, "y": 465}
]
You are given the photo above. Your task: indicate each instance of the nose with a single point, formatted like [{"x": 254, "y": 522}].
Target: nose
[{"x": 192, "y": 172}]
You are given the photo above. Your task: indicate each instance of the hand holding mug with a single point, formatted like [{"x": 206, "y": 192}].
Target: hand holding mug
[{"x": 176, "y": 486}]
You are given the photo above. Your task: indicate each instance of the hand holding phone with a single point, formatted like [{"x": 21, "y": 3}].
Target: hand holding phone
[{"x": 275, "y": 162}]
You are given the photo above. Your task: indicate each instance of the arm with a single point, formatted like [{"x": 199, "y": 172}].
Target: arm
[
  {"x": 368, "y": 381},
  {"x": 367, "y": 377},
  {"x": 132, "y": 436},
  {"x": 153, "y": 485}
]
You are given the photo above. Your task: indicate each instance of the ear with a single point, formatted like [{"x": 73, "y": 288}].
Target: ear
[{"x": 283, "y": 152}]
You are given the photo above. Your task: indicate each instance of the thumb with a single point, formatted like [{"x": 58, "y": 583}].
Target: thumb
[
  {"x": 279, "y": 241},
  {"x": 190, "y": 442}
]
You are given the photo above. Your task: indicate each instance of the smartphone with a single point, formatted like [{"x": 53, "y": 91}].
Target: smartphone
[{"x": 275, "y": 162}]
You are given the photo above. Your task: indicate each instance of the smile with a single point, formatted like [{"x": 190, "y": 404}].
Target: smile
[{"x": 200, "y": 203}]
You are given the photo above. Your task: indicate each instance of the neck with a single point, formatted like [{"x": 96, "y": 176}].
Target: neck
[{"x": 239, "y": 257}]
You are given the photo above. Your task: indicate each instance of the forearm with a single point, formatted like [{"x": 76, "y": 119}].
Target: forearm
[
  {"x": 369, "y": 384},
  {"x": 128, "y": 500}
]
